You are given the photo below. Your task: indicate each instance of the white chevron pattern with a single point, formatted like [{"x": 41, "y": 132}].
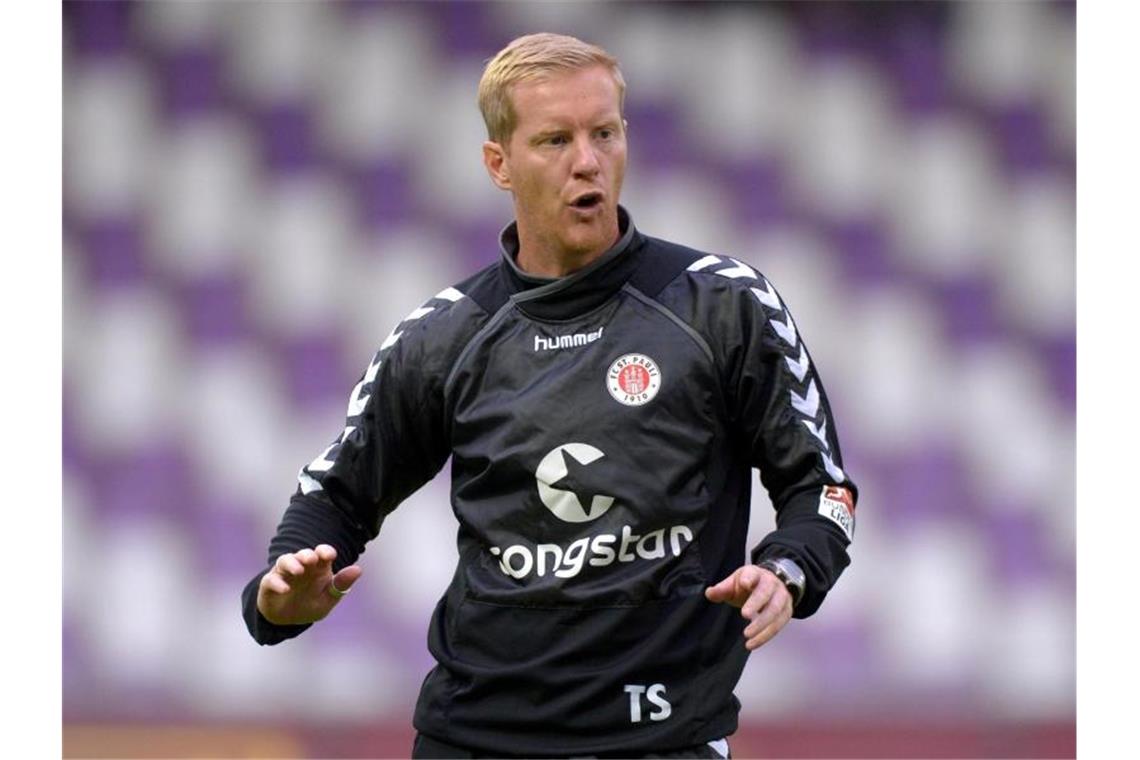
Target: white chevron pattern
[
  {"x": 391, "y": 340},
  {"x": 807, "y": 404},
  {"x": 740, "y": 270},
  {"x": 358, "y": 399},
  {"x": 449, "y": 294},
  {"x": 704, "y": 263},
  {"x": 819, "y": 432},
  {"x": 799, "y": 367},
  {"x": 420, "y": 312},
  {"x": 832, "y": 469},
  {"x": 768, "y": 296},
  {"x": 787, "y": 330},
  {"x": 323, "y": 463},
  {"x": 308, "y": 485}
]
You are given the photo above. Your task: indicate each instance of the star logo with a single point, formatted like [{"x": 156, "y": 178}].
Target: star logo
[{"x": 566, "y": 485}]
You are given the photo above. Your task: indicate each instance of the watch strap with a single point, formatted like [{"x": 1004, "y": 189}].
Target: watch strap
[{"x": 789, "y": 574}]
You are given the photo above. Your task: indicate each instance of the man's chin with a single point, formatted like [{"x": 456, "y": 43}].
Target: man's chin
[
  {"x": 588, "y": 245},
  {"x": 595, "y": 234}
]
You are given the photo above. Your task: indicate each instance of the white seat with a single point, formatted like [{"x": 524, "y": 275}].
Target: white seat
[
  {"x": 944, "y": 200},
  {"x": 239, "y": 390},
  {"x": 276, "y": 50},
  {"x": 997, "y": 51},
  {"x": 392, "y": 274},
  {"x": 1037, "y": 271},
  {"x": 109, "y": 135},
  {"x": 897, "y": 397},
  {"x": 845, "y": 134},
  {"x": 303, "y": 233},
  {"x": 133, "y": 652},
  {"x": 741, "y": 101},
  {"x": 1017, "y": 440},
  {"x": 179, "y": 25},
  {"x": 127, "y": 348},
  {"x": 202, "y": 201},
  {"x": 373, "y": 81}
]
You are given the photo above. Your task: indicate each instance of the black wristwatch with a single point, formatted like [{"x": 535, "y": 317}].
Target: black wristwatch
[{"x": 788, "y": 572}]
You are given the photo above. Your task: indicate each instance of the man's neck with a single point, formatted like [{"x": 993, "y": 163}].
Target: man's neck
[
  {"x": 546, "y": 260},
  {"x": 553, "y": 265}
]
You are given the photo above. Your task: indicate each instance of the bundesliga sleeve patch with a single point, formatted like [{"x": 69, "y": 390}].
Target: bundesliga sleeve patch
[{"x": 836, "y": 504}]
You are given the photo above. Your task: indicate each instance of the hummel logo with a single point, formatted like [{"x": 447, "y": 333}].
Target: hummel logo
[{"x": 566, "y": 341}]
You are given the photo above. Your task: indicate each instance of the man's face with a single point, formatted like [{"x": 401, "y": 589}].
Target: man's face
[{"x": 565, "y": 162}]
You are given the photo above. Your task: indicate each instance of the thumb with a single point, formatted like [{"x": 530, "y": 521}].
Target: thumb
[
  {"x": 721, "y": 591},
  {"x": 347, "y": 577}
]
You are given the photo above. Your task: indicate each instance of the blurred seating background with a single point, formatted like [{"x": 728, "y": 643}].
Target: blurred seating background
[{"x": 256, "y": 192}]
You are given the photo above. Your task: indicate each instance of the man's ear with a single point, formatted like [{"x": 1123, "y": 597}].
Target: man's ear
[{"x": 495, "y": 159}]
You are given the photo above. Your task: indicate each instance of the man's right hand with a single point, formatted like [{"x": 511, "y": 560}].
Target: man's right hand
[{"x": 301, "y": 588}]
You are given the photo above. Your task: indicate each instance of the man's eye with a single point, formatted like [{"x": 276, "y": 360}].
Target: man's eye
[
  {"x": 605, "y": 134},
  {"x": 556, "y": 140}
]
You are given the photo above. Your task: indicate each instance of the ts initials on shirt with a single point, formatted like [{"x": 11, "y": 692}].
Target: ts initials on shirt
[{"x": 655, "y": 693}]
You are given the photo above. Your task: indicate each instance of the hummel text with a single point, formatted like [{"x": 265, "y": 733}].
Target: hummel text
[{"x": 566, "y": 341}]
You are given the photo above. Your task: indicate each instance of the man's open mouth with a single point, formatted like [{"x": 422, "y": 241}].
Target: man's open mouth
[{"x": 587, "y": 201}]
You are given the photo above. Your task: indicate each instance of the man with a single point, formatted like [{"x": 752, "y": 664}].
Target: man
[{"x": 603, "y": 396}]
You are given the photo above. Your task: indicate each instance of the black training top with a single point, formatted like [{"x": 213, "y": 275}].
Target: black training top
[{"x": 602, "y": 429}]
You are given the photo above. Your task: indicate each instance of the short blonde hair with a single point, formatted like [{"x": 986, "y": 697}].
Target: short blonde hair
[{"x": 530, "y": 58}]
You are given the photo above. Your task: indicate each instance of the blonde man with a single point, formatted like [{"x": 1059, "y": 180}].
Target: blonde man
[{"x": 603, "y": 396}]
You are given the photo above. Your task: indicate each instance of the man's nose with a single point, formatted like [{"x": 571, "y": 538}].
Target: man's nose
[{"x": 585, "y": 159}]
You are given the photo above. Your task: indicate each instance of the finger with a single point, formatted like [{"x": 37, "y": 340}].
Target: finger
[
  {"x": 323, "y": 564},
  {"x": 307, "y": 557},
  {"x": 274, "y": 583},
  {"x": 767, "y": 633},
  {"x": 764, "y": 617},
  {"x": 721, "y": 591},
  {"x": 758, "y": 598},
  {"x": 748, "y": 577},
  {"x": 749, "y": 580},
  {"x": 288, "y": 565},
  {"x": 325, "y": 553},
  {"x": 732, "y": 589}
]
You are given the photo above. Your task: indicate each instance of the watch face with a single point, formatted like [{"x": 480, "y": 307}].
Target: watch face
[
  {"x": 795, "y": 574},
  {"x": 791, "y": 575}
]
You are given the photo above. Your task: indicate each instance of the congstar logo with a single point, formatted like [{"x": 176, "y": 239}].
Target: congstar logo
[
  {"x": 562, "y": 483},
  {"x": 569, "y": 485}
]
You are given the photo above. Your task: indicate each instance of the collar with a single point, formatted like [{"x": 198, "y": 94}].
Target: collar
[{"x": 559, "y": 298}]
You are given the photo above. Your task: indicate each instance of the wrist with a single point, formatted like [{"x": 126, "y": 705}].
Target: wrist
[{"x": 789, "y": 573}]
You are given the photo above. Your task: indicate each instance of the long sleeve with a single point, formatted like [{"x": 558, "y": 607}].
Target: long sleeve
[
  {"x": 784, "y": 417},
  {"x": 392, "y": 443},
  {"x": 308, "y": 521}
]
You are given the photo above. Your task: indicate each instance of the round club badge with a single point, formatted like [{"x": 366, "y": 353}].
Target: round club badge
[{"x": 633, "y": 379}]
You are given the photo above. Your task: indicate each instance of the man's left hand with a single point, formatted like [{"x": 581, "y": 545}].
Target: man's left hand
[{"x": 763, "y": 600}]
